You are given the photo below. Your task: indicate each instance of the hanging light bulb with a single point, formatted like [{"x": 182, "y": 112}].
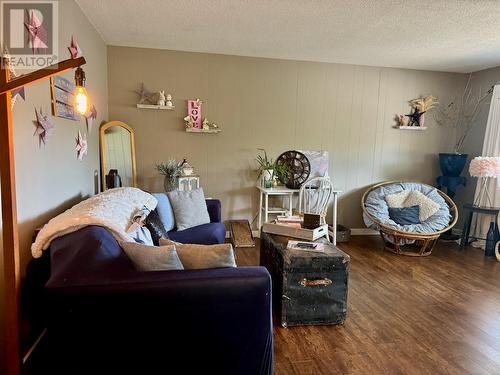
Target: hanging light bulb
[{"x": 81, "y": 96}]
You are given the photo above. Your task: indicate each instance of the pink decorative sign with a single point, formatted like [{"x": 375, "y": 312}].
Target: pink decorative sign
[{"x": 194, "y": 112}]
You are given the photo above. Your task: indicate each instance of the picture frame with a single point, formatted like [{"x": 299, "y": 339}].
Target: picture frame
[{"x": 61, "y": 92}]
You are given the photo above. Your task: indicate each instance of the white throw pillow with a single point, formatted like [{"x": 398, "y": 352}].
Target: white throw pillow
[
  {"x": 203, "y": 256},
  {"x": 190, "y": 208},
  {"x": 409, "y": 198},
  {"x": 152, "y": 258}
]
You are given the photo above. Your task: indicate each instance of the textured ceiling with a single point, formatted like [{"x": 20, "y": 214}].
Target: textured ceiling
[{"x": 442, "y": 35}]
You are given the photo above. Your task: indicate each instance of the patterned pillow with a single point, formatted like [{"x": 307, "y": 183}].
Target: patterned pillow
[{"x": 155, "y": 225}]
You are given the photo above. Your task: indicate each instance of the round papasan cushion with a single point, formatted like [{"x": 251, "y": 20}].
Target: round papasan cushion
[{"x": 376, "y": 206}]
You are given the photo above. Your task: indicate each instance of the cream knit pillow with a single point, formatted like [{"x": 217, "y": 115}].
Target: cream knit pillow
[
  {"x": 409, "y": 198},
  {"x": 195, "y": 257},
  {"x": 152, "y": 258}
]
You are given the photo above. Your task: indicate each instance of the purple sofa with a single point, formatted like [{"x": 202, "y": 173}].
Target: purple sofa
[
  {"x": 205, "y": 234},
  {"x": 103, "y": 316}
]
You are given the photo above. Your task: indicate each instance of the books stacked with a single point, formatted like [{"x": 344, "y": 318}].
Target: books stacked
[
  {"x": 293, "y": 221},
  {"x": 307, "y": 246}
]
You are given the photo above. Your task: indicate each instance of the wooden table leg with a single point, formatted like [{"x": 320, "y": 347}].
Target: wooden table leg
[{"x": 290, "y": 204}]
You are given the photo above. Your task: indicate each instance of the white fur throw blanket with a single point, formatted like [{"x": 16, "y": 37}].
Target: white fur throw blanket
[{"x": 112, "y": 209}]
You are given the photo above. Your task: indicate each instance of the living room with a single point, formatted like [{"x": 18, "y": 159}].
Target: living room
[{"x": 383, "y": 109}]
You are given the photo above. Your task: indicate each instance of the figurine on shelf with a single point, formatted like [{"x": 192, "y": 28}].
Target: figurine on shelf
[
  {"x": 169, "y": 100},
  {"x": 188, "y": 121},
  {"x": 161, "y": 98},
  {"x": 403, "y": 120},
  {"x": 206, "y": 124}
]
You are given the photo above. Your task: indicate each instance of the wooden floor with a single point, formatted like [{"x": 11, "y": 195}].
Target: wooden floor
[{"x": 433, "y": 315}]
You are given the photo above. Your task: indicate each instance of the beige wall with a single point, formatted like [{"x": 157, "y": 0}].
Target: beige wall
[
  {"x": 50, "y": 178},
  {"x": 278, "y": 105}
]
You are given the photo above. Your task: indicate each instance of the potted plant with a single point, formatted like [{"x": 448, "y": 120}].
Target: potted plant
[
  {"x": 265, "y": 169},
  {"x": 171, "y": 169},
  {"x": 461, "y": 117}
]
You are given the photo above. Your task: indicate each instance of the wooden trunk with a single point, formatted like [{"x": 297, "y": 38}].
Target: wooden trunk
[{"x": 308, "y": 287}]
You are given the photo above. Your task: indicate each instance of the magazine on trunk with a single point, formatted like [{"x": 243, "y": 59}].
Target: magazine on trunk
[{"x": 307, "y": 246}]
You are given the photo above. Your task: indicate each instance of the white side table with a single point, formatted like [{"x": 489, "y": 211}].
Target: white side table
[
  {"x": 188, "y": 183},
  {"x": 286, "y": 192},
  {"x": 264, "y": 202}
]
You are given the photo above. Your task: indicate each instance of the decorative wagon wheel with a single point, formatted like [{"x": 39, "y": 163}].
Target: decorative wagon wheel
[{"x": 298, "y": 168}]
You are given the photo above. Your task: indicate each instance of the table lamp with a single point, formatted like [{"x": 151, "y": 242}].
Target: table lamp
[{"x": 484, "y": 168}]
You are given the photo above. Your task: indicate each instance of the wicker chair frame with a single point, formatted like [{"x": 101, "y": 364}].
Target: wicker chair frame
[{"x": 424, "y": 242}]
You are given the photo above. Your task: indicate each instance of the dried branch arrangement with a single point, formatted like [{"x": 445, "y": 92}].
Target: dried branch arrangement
[{"x": 462, "y": 116}]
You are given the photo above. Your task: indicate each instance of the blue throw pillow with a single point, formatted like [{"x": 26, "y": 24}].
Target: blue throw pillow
[
  {"x": 165, "y": 211},
  {"x": 405, "y": 215}
]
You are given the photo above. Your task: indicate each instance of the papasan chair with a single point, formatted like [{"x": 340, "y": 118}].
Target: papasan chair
[{"x": 413, "y": 239}]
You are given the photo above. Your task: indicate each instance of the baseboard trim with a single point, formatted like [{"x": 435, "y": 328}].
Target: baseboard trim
[
  {"x": 364, "y": 232},
  {"x": 354, "y": 232}
]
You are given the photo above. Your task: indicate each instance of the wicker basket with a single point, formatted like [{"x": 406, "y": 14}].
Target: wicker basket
[{"x": 343, "y": 233}]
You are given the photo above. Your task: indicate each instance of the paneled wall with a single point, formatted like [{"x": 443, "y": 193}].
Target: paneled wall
[{"x": 278, "y": 105}]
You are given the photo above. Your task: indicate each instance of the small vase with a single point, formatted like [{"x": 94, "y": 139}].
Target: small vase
[
  {"x": 267, "y": 178},
  {"x": 421, "y": 119},
  {"x": 169, "y": 184},
  {"x": 489, "y": 250}
]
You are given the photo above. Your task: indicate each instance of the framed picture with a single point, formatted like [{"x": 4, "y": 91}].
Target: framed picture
[{"x": 61, "y": 90}]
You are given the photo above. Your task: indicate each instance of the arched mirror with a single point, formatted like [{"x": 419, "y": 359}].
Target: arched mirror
[{"x": 117, "y": 155}]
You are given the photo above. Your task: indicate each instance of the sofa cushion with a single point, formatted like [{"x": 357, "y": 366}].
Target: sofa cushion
[
  {"x": 205, "y": 234},
  {"x": 152, "y": 258},
  {"x": 165, "y": 211},
  {"x": 190, "y": 208},
  {"x": 195, "y": 257}
]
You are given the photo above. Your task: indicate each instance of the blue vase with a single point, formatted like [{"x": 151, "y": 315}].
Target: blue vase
[{"x": 452, "y": 164}]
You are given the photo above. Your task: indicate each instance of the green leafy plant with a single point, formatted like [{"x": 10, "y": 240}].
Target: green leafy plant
[
  {"x": 282, "y": 171},
  {"x": 171, "y": 169},
  {"x": 265, "y": 163}
]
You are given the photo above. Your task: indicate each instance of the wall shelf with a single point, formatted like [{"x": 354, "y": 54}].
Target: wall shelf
[
  {"x": 210, "y": 131},
  {"x": 411, "y": 127},
  {"x": 154, "y": 106}
]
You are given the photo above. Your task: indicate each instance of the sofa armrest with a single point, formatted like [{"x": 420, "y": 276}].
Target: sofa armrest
[
  {"x": 214, "y": 210},
  {"x": 186, "y": 317}
]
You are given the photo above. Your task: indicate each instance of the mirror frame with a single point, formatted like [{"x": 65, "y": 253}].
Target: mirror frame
[{"x": 102, "y": 144}]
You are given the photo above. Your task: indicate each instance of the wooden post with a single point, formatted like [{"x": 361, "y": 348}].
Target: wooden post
[
  {"x": 12, "y": 272},
  {"x": 12, "y": 277}
]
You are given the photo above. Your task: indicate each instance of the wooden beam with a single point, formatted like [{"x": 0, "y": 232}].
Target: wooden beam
[
  {"x": 11, "y": 271},
  {"x": 41, "y": 74}
]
